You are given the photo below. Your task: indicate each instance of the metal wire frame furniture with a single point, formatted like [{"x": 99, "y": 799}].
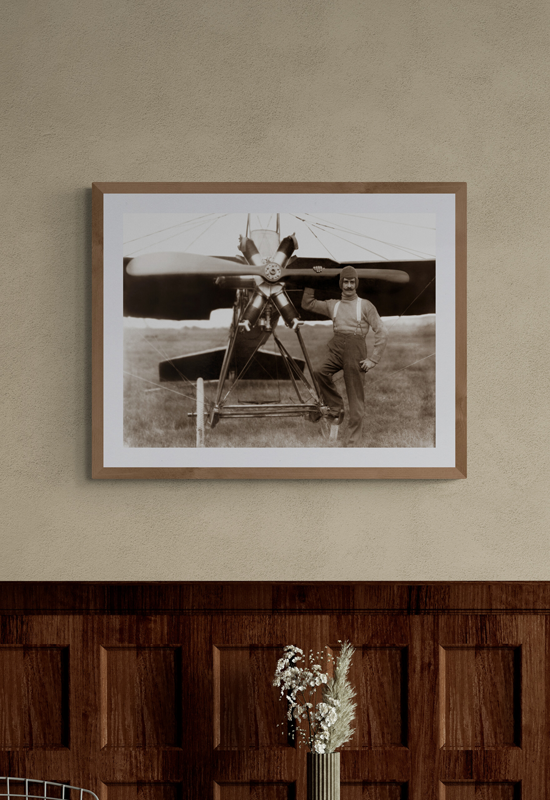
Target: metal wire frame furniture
[{"x": 31, "y": 789}]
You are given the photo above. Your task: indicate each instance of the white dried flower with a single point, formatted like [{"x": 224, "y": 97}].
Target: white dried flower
[{"x": 332, "y": 713}]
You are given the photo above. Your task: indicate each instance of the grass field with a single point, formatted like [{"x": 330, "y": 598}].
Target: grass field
[{"x": 400, "y": 402}]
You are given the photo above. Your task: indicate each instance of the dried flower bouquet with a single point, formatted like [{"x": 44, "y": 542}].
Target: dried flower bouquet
[{"x": 328, "y": 718}]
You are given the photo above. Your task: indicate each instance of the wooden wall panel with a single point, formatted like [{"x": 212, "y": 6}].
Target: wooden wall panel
[
  {"x": 164, "y": 691},
  {"x": 481, "y": 696},
  {"x": 233, "y": 691},
  {"x": 373, "y": 791},
  {"x": 482, "y": 791},
  {"x": 493, "y": 693},
  {"x": 142, "y": 791},
  {"x": 254, "y": 791},
  {"x": 140, "y": 703},
  {"x": 384, "y": 696},
  {"x": 34, "y": 697},
  {"x": 249, "y": 713}
]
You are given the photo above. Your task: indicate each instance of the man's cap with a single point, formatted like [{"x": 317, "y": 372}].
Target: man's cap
[{"x": 349, "y": 272}]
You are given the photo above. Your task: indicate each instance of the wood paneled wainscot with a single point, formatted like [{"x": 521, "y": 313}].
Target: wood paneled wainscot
[{"x": 164, "y": 691}]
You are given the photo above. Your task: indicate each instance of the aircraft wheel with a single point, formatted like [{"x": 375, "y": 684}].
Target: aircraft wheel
[{"x": 200, "y": 412}]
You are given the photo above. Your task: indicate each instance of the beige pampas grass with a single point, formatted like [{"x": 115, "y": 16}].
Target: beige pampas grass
[{"x": 339, "y": 692}]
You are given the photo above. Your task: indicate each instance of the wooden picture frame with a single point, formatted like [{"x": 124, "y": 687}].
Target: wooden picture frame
[{"x": 152, "y": 211}]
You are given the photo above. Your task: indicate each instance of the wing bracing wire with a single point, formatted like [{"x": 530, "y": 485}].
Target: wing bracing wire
[
  {"x": 342, "y": 229},
  {"x": 208, "y": 224},
  {"x": 169, "y": 228}
]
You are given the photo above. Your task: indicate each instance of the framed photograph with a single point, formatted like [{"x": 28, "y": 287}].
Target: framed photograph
[{"x": 279, "y": 330}]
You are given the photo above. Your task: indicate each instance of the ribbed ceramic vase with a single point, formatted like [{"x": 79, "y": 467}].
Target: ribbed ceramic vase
[{"x": 323, "y": 776}]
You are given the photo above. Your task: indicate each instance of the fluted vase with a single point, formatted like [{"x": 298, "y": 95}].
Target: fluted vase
[{"x": 323, "y": 776}]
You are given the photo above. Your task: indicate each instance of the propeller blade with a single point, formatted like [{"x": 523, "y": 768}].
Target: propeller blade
[
  {"x": 391, "y": 275},
  {"x": 193, "y": 264},
  {"x": 187, "y": 264}
]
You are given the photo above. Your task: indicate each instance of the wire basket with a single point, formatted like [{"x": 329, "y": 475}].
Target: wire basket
[{"x": 31, "y": 789}]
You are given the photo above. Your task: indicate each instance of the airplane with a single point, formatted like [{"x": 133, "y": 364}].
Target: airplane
[{"x": 263, "y": 284}]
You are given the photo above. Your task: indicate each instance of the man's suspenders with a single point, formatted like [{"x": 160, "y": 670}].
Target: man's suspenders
[{"x": 359, "y": 310}]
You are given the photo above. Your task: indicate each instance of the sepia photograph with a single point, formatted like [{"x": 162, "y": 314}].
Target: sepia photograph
[{"x": 248, "y": 326}]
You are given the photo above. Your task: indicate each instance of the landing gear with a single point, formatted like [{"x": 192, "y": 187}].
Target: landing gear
[{"x": 261, "y": 312}]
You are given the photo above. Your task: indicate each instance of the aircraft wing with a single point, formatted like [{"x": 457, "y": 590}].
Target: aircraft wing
[
  {"x": 207, "y": 364},
  {"x": 175, "y": 297},
  {"x": 182, "y": 286}
]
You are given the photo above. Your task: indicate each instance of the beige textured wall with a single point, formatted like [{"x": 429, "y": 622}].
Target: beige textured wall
[{"x": 382, "y": 90}]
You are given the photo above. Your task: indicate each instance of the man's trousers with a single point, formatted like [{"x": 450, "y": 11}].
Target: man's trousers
[{"x": 345, "y": 351}]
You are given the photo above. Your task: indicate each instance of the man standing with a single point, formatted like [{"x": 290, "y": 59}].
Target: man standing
[{"x": 352, "y": 318}]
